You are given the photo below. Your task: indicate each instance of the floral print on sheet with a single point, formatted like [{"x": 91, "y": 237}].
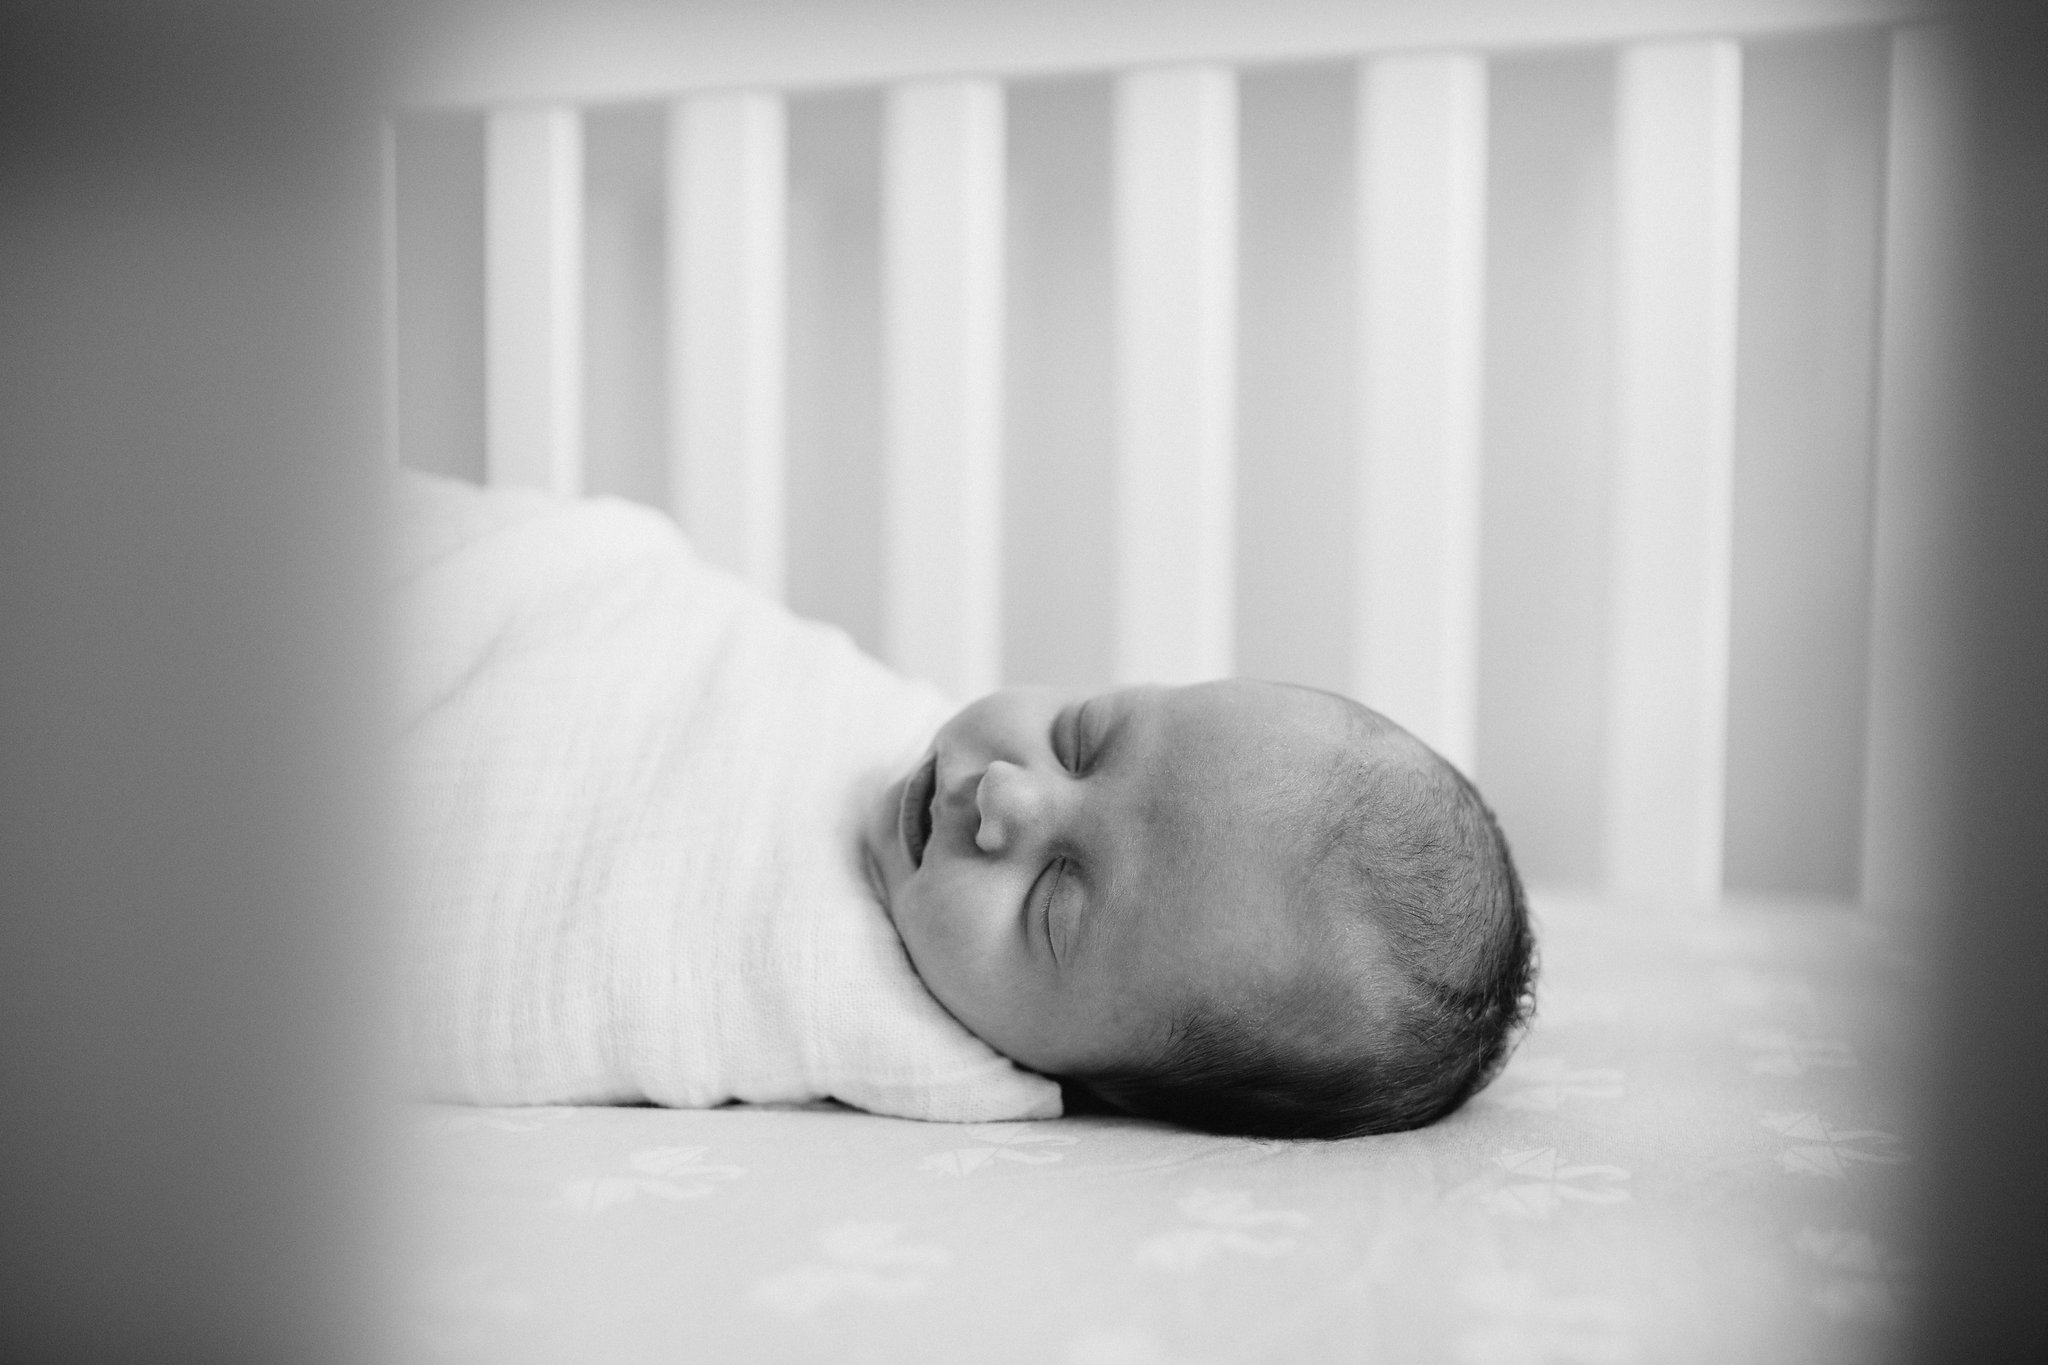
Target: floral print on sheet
[
  {"x": 859, "y": 1260},
  {"x": 1536, "y": 1184},
  {"x": 1551, "y": 1082},
  {"x": 1820, "y": 1148},
  {"x": 1028, "y": 1144},
  {"x": 1221, "y": 1223},
  {"x": 658, "y": 1173}
]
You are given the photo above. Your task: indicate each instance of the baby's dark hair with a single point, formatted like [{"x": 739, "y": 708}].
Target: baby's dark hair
[{"x": 1411, "y": 860}]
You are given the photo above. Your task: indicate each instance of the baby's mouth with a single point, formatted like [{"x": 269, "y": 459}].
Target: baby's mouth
[{"x": 914, "y": 815}]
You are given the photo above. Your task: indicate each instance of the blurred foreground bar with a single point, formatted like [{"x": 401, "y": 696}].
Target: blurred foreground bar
[
  {"x": 1985, "y": 1185},
  {"x": 188, "y": 437}
]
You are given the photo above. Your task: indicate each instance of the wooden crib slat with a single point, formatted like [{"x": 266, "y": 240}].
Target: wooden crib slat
[
  {"x": 727, "y": 213},
  {"x": 1176, "y": 269},
  {"x": 533, "y": 394},
  {"x": 1420, "y": 262},
  {"x": 1678, "y": 131},
  {"x": 943, "y": 158}
]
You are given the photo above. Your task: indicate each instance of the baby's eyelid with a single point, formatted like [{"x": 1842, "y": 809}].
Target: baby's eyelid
[
  {"x": 1077, "y": 760},
  {"x": 1057, "y": 871}
]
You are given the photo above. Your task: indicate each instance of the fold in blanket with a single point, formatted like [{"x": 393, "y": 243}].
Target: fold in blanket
[{"x": 630, "y": 793}]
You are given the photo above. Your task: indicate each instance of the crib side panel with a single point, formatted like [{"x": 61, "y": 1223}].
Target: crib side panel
[{"x": 1016, "y": 422}]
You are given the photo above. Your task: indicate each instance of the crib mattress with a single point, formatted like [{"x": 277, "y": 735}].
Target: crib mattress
[{"x": 1693, "y": 1156}]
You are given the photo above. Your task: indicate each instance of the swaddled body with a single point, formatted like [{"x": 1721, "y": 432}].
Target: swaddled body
[{"x": 631, "y": 793}]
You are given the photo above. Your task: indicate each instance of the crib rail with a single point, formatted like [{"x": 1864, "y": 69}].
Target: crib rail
[{"x": 1407, "y": 583}]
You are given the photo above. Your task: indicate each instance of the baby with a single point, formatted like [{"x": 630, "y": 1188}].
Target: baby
[
  {"x": 1242, "y": 906},
  {"x": 638, "y": 809}
]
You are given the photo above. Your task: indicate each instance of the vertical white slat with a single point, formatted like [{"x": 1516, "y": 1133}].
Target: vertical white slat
[
  {"x": 1678, "y": 133},
  {"x": 728, "y": 228},
  {"x": 387, "y": 232},
  {"x": 1421, "y": 260},
  {"x": 533, "y": 283},
  {"x": 942, "y": 415},
  {"x": 1918, "y": 537},
  {"x": 1176, "y": 274}
]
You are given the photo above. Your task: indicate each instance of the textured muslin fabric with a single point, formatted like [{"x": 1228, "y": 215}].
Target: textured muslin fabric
[{"x": 630, "y": 789}]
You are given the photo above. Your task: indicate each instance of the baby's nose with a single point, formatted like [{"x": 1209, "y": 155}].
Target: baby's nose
[{"x": 1011, "y": 803}]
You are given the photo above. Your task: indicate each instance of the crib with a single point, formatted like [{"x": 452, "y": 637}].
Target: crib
[
  {"x": 1559, "y": 380},
  {"x": 1529, "y": 383}
]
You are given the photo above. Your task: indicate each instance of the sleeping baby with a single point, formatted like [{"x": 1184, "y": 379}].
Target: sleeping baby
[
  {"x": 666, "y": 842},
  {"x": 1243, "y": 906}
]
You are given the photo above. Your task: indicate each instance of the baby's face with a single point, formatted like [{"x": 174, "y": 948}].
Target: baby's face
[{"x": 1068, "y": 871}]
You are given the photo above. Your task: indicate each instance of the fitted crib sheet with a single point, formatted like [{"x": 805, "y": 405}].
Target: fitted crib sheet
[{"x": 1694, "y": 1156}]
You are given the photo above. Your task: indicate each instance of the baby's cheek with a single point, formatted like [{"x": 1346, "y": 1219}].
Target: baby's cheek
[
  {"x": 956, "y": 947},
  {"x": 928, "y": 933}
]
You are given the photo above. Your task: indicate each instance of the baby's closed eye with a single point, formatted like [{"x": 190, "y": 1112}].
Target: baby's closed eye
[{"x": 1044, "y": 893}]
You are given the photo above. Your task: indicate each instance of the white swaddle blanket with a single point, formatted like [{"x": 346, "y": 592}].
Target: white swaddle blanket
[{"x": 631, "y": 789}]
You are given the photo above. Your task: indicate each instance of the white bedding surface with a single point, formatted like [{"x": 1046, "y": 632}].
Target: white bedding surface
[{"x": 1693, "y": 1157}]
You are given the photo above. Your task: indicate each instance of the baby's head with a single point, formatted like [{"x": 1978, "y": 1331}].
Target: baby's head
[{"x": 1240, "y": 906}]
